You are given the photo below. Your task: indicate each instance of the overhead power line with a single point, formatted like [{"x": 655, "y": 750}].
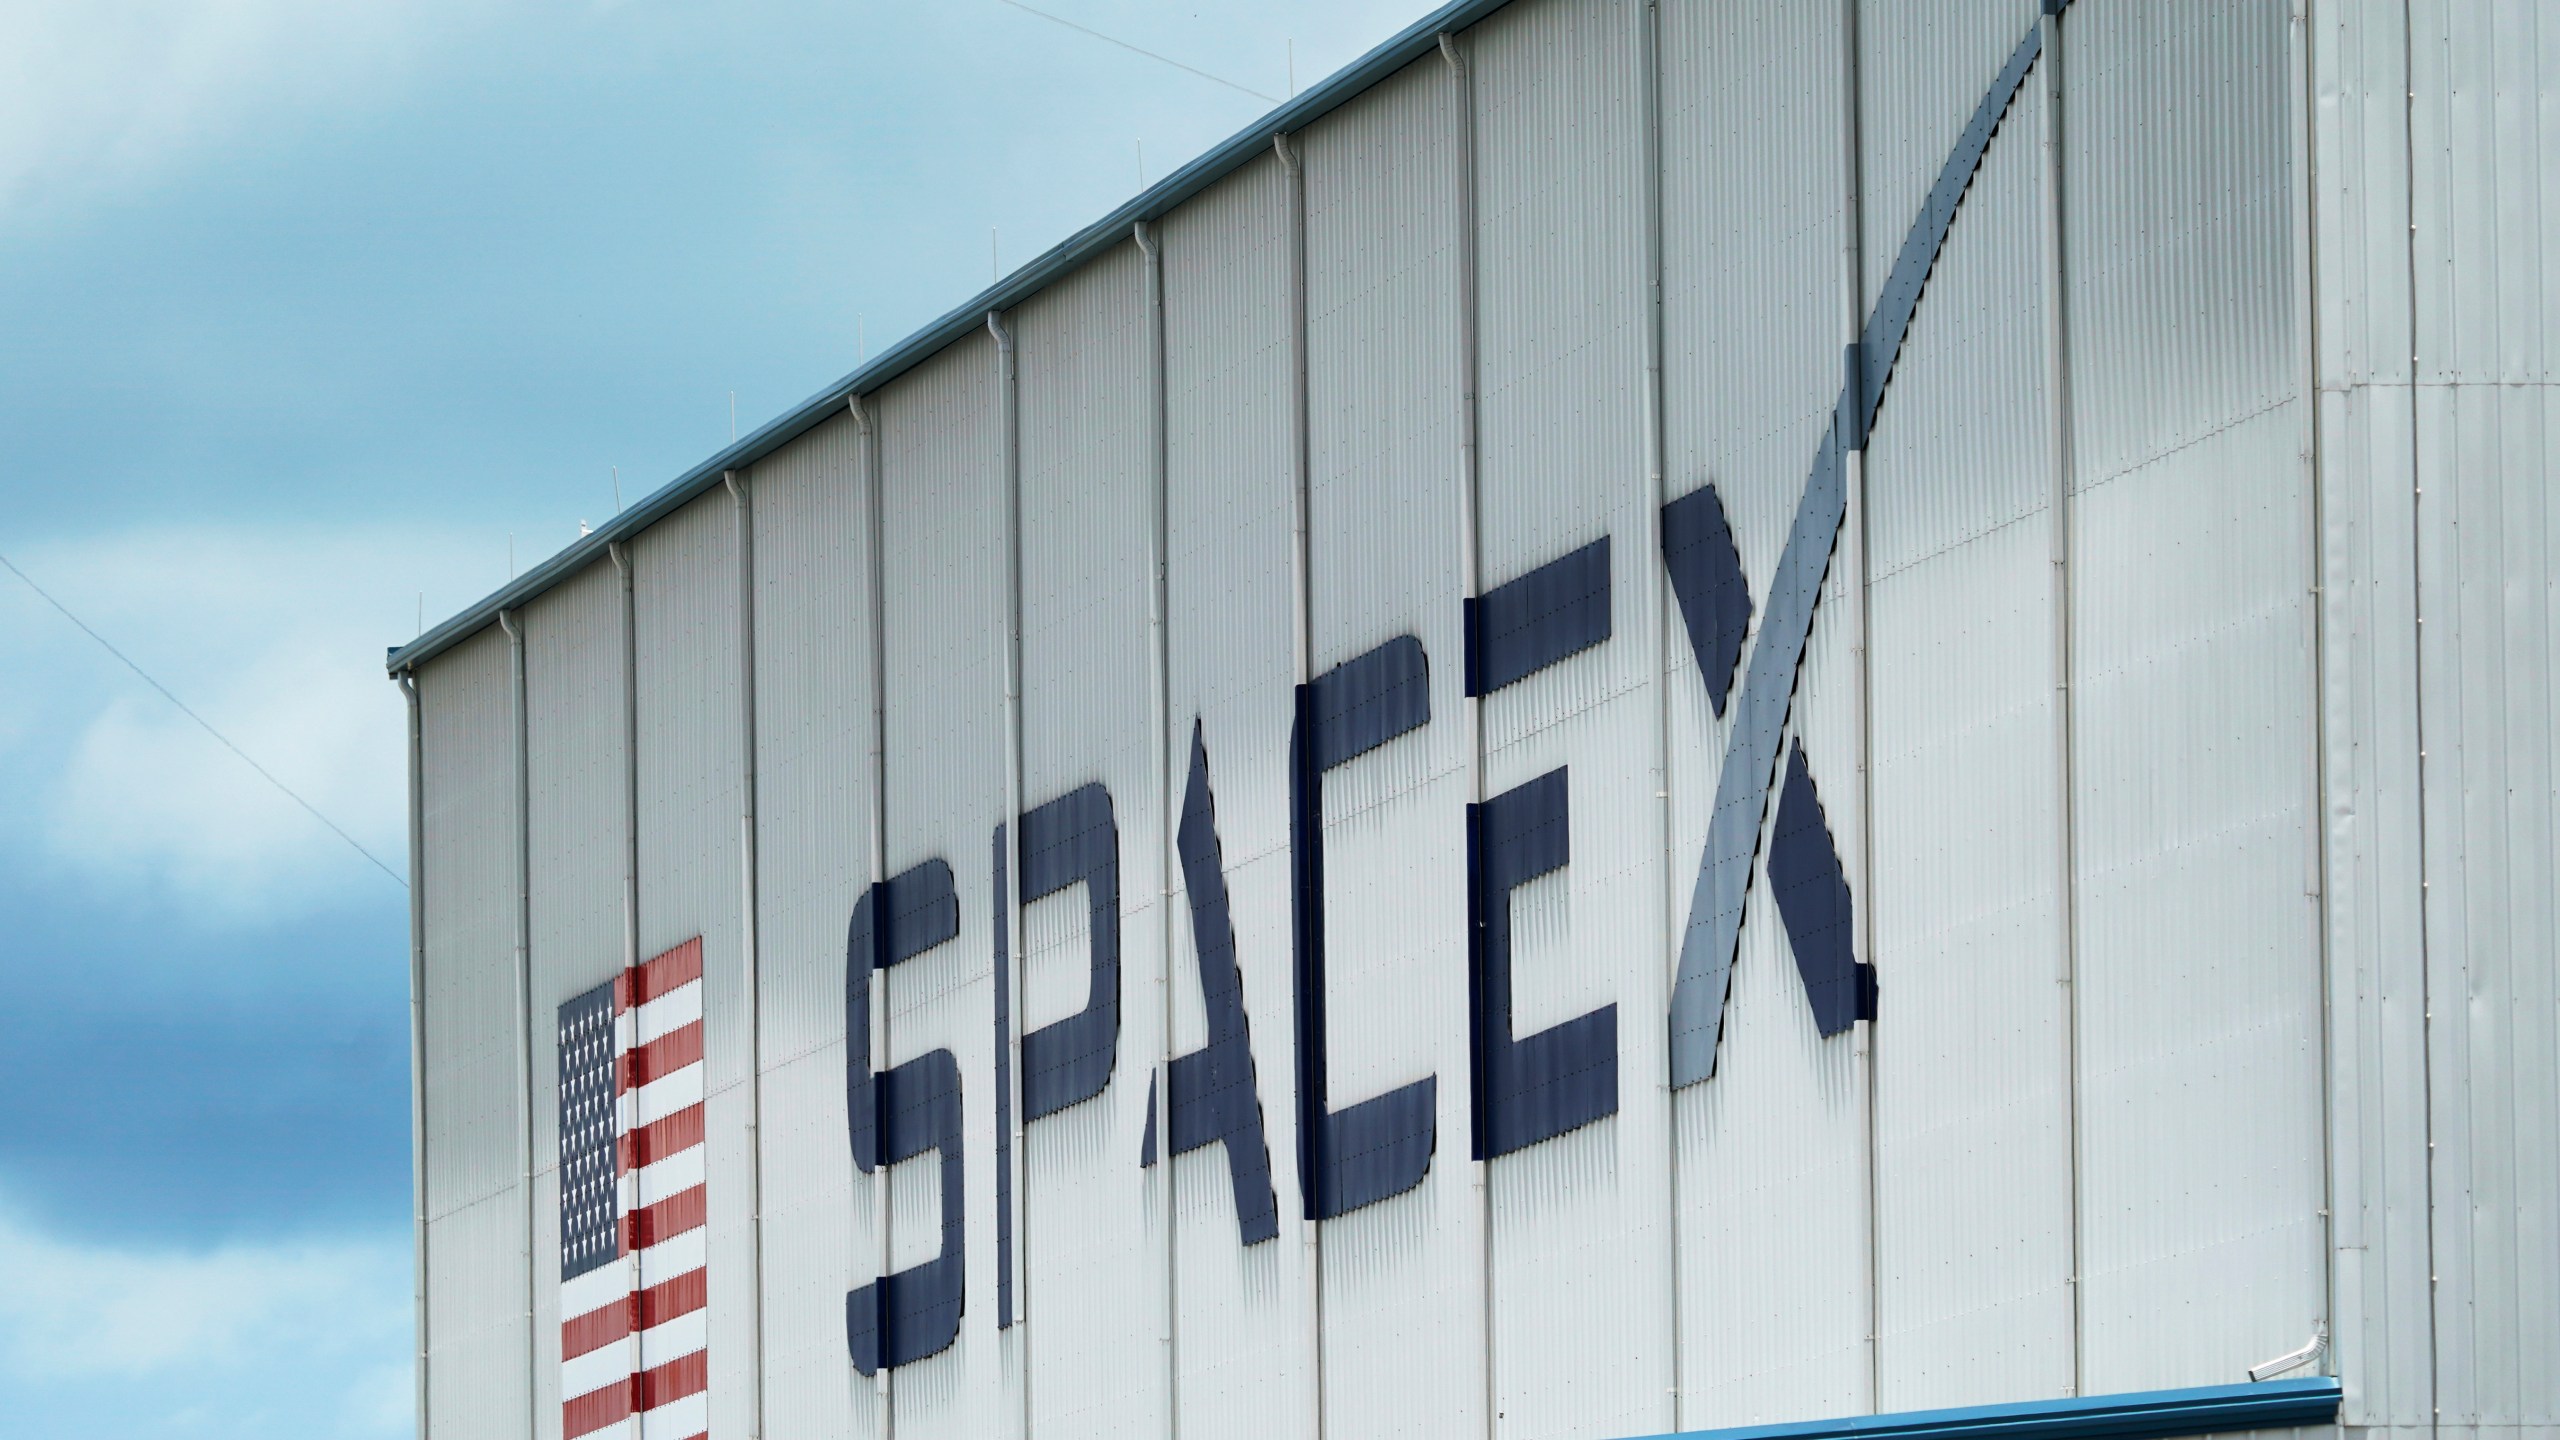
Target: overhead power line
[
  {"x": 207, "y": 725},
  {"x": 1135, "y": 50}
]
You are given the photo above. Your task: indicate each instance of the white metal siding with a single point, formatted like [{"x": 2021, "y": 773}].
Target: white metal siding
[
  {"x": 813, "y": 859},
  {"x": 476, "y": 1324},
  {"x": 576, "y": 754},
  {"x": 692, "y": 769},
  {"x": 1244, "y": 1327},
  {"x": 1382, "y": 332},
  {"x": 942, "y": 498},
  {"x": 2485, "y": 132},
  {"x": 1973, "y": 1049},
  {"x": 2199, "y": 957},
  {"x": 2384, "y": 1291},
  {"x": 1774, "y": 1143},
  {"x": 1580, "y": 1222},
  {"x": 476, "y": 1334},
  {"x": 1922, "y": 64},
  {"x": 1092, "y": 1251}
]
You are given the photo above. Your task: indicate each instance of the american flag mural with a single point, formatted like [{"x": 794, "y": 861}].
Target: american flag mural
[{"x": 633, "y": 1327}]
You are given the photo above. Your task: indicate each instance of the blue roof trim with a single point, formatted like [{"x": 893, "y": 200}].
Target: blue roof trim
[
  {"x": 2145, "y": 1415},
  {"x": 1410, "y": 44}
]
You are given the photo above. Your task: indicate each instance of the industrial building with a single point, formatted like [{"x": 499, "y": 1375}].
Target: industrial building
[{"x": 1656, "y": 717}]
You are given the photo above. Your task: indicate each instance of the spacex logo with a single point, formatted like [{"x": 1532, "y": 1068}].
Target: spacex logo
[{"x": 1522, "y": 1090}]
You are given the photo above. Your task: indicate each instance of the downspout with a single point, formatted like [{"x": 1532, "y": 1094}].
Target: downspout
[
  {"x": 743, "y": 505},
  {"x": 1853, "y": 286},
  {"x": 1462, "y": 108},
  {"x": 2307, "y": 338},
  {"x": 623, "y": 565},
  {"x": 1302, "y": 653},
  {"x": 2057, "y": 399},
  {"x": 408, "y": 681},
  {"x": 1657, "y": 471},
  {"x": 875, "y": 638},
  {"x": 1008, "y": 405},
  {"x": 1160, "y": 701},
  {"x": 621, "y": 554},
  {"x": 512, "y": 622}
]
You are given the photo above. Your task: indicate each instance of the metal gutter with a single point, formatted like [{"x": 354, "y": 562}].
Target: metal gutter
[
  {"x": 1415, "y": 41},
  {"x": 418, "y": 1030},
  {"x": 2145, "y": 1415}
]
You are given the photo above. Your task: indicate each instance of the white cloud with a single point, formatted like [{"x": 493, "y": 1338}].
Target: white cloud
[
  {"x": 294, "y": 1337},
  {"x": 108, "y": 91},
  {"x": 273, "y": 634}
]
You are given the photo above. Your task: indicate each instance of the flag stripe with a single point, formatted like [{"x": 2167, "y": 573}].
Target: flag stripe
[
  {"x": 660, "y": 1057},
  {"x": 659, "y": 1179},
  {"x": 663, "y": 1016},
  {"x": 682, "y": 1376},
  {"x": 656, "y": 977},
  {"x": 595, "y": 1410},
  {"x": 599, "y": 1369},
  {"x": 661, "y": 1138},
  {"x": 689, "y": 1415},
  {"x": 673, "y": 1257},
  {"x": 659, "y": 1098},
  {"x": 674, "y": 1215},
  {"x": 656, "y": 1305}
]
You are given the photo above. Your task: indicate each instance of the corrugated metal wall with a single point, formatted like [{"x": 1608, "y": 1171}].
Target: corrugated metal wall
[
  {"x": 475, "y": 1222},
  {"x": 1753, "y": 186},
  {"x": 814, "y": 802},
  {"x": 2377, "y": 954},
  {"x": 1581, "y": 1222},
  {"x": 1973, "y": 1108},
  {"x": 942, "y": 553},
  {"x": 2195, "y": 843},
  {"x": 577, "y": 755},
  {"x": 1087, "y": 416},
  {"x": 1245, "y": 1324},
  {"x": 1402, "y": 1277},
  {"x": 2484, "y": 135},
  {"x": 1884, "y": 1219},
  {"x": 691, "y": 768},
  {"x": 2435, "y": 315}
]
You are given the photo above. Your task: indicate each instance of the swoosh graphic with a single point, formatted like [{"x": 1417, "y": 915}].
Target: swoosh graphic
[{"x": 1769, "y": 686}]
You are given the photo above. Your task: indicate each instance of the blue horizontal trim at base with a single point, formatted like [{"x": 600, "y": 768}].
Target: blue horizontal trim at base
[{"x": 2144, "y": 1415}]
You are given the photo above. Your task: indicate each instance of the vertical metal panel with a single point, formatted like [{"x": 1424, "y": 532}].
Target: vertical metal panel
[
  {"x": 1088, "y": 664},
  {"x": 2383, "y": 1327},
  {"x": 575, "y": 754},
  {"x": 476, "y": 1237},
  {"x": 545, "y": 1338},
  {"x": 2487, "y": 535},
  {"x": 691, "y": 810},
  {"x": 943, "y": 505},
  {"x": 1384, "y": 515},
  {"x": 818, "y": 1244},
  {"x": 476, "y": 1321},
  {"x": 2486, "y": 241},
  {"x": 1972, "y": 1051},
  {"x": 1581, "y": 1295},
  {"x": 473, "y": 1143},
  {"x": 1771, "y": 1152},
  {"x": 1922, "y": 66},
  {"x": 575, "y": 749},
  {"x": 2199, "y": 950},
  {"x": 813, "y": 770},
  {"x": 1242, "y": 1343}
]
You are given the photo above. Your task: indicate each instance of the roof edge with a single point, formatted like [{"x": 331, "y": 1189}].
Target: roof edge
[
  {"x": 2139, "y": 1415},
  {"x": 1233, "y": 154}
]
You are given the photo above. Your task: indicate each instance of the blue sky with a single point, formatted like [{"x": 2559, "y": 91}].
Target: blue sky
[{"x": 308, "y": 311}]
